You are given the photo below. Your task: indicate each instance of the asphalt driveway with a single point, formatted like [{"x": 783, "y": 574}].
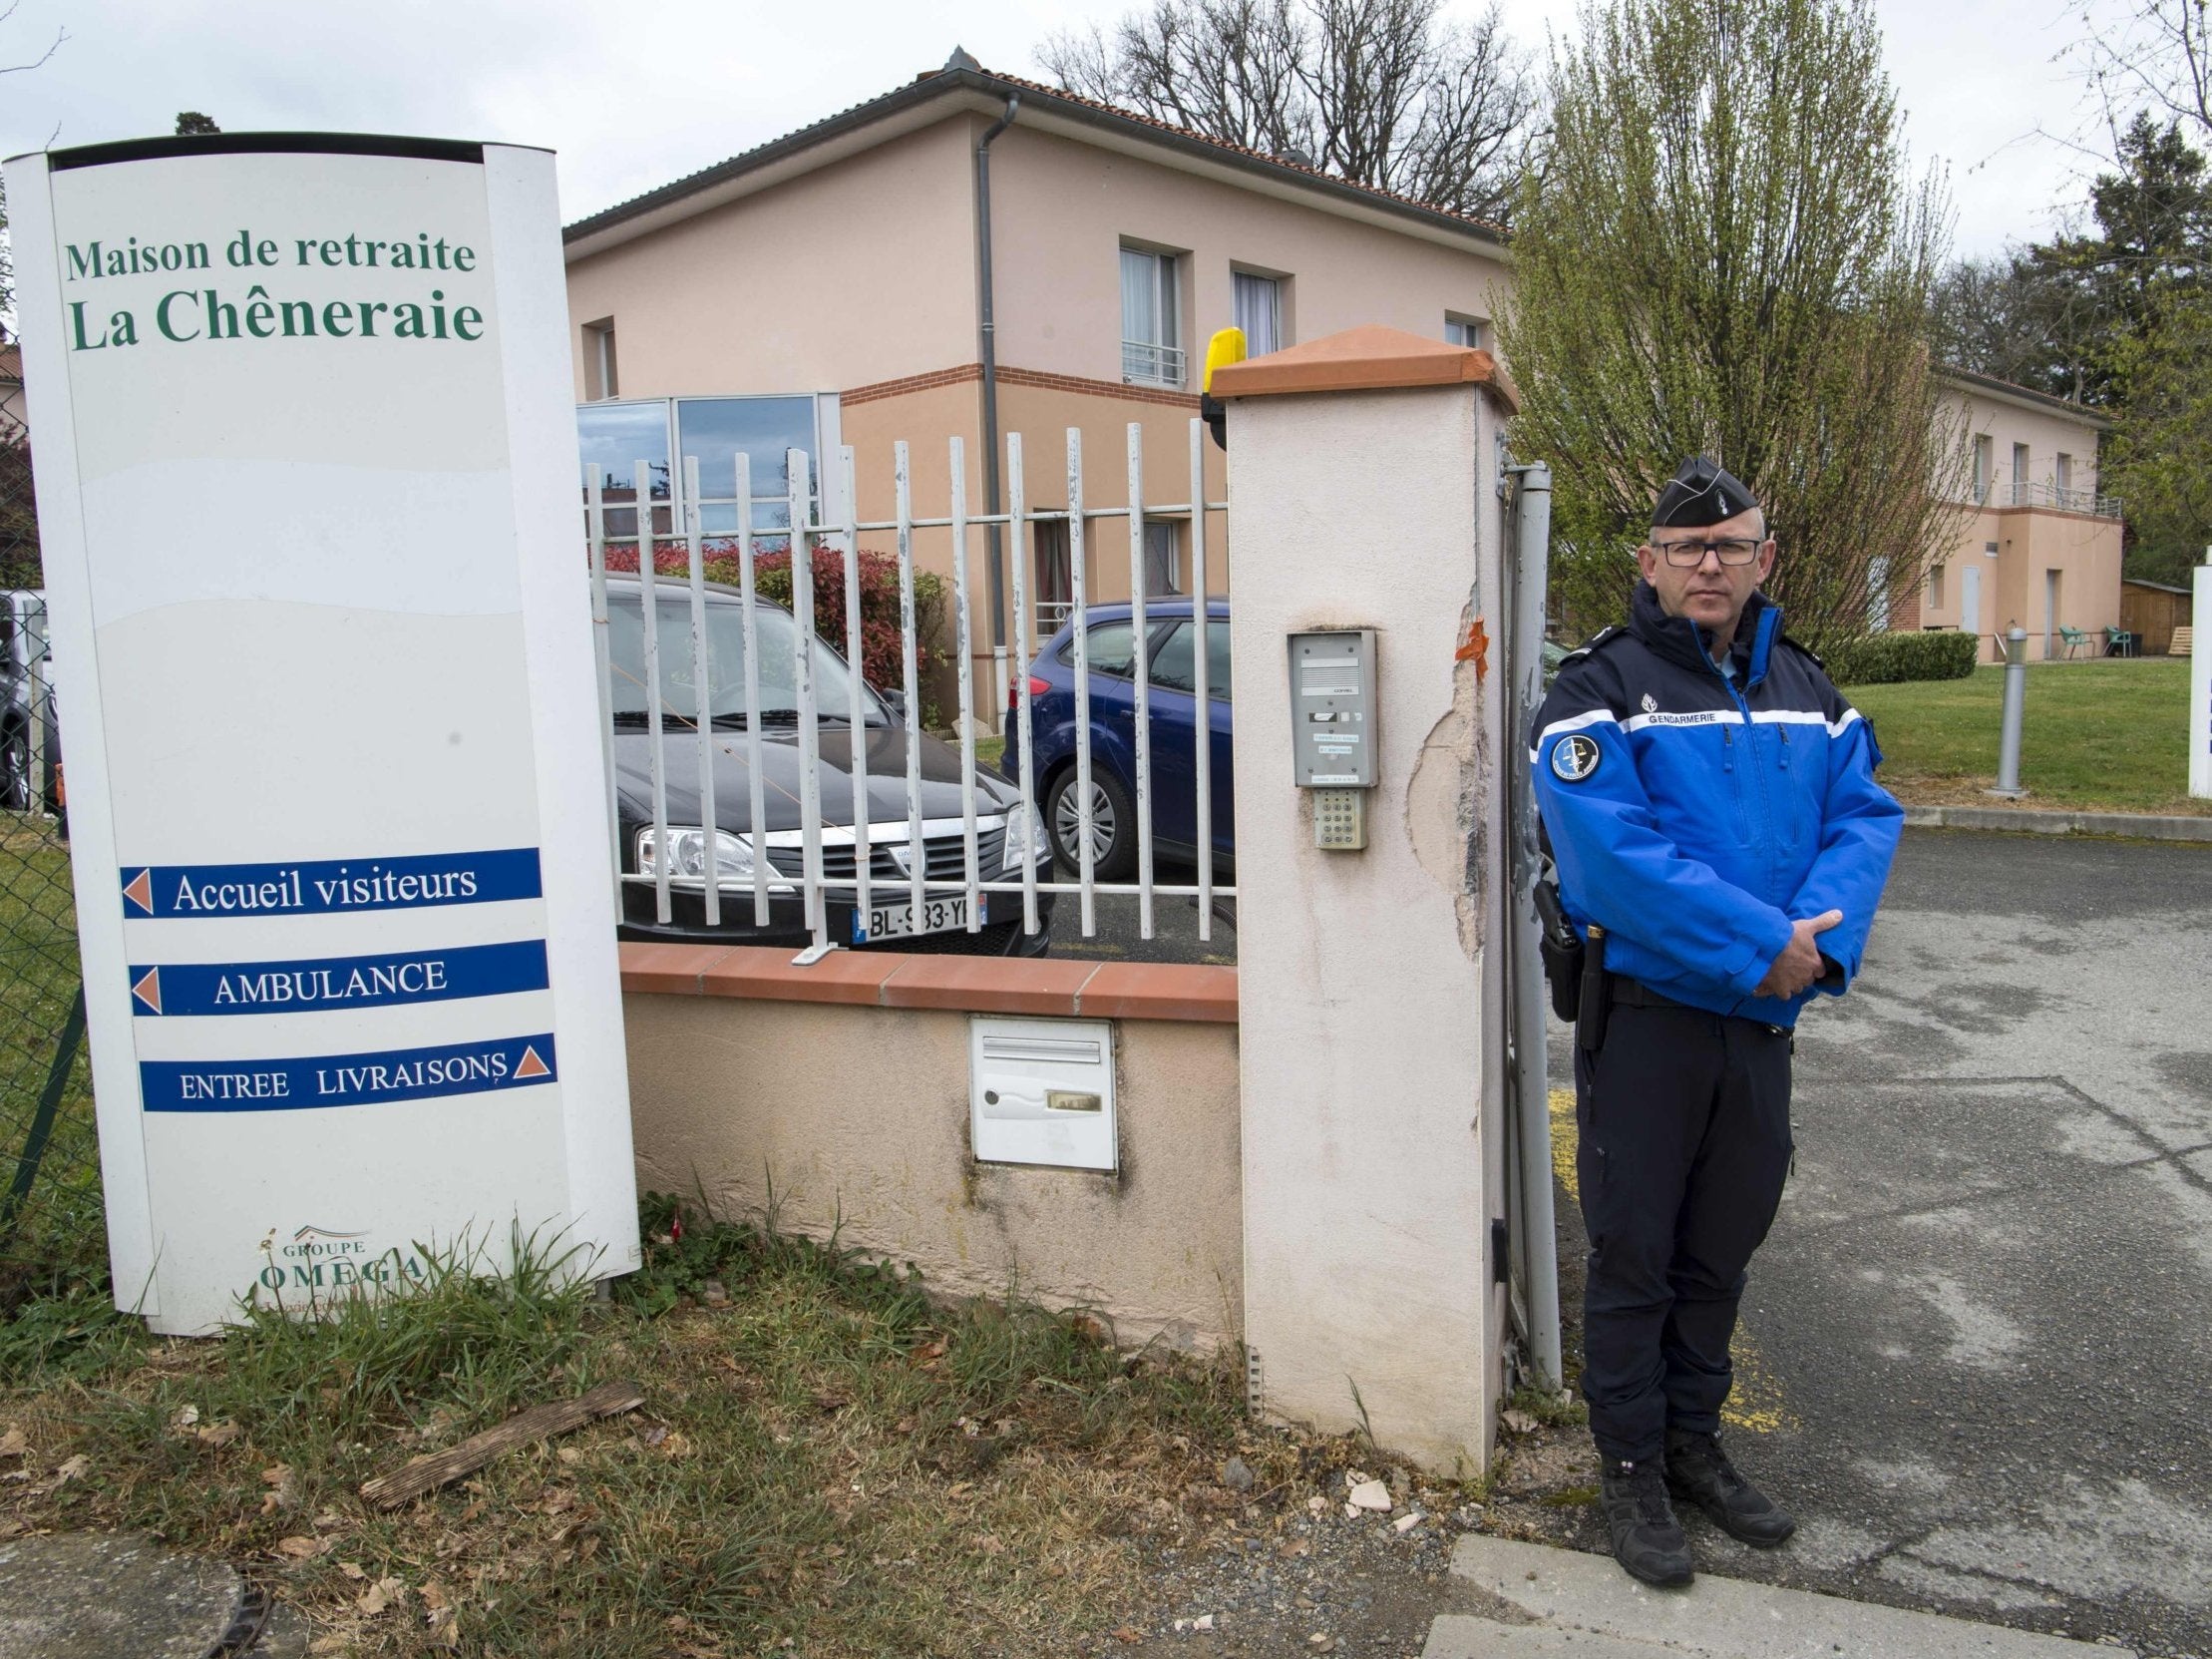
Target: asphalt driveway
[{"x": 1981, "y": 1333}]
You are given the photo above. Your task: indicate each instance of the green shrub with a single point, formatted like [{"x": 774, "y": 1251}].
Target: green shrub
[{"x": 1885, "y": 659}]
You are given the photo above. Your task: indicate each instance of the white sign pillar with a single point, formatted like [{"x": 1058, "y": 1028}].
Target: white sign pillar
[
  {"x": 1362, "y": 478},
  {"x": 306, "y": 474},
  {"x": 2200, "y": 683}
]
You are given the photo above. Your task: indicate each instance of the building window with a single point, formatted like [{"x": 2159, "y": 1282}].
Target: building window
[
  {"x": 1984, "y": 464},
  {"x": 1472, "y": 331},
  {"x": 1935, "y": 588},
  {"x": 1053, "y": 593},
  {"x": 2020, "y": 472},
  {"x": 1151, "y": 342},
  {"x": 1259, "y": 311},
  {"x": 599, "y": 377},
  {"x": 1163, "y": 558},
  {"x": 715, "y": 431},
  {"x": 2065, "y": 471}
]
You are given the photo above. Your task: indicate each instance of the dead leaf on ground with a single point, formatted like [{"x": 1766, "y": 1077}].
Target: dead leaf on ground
[
  {"x": 276, "y": 1474},
  {"x": 382, "y": 1594},
  {"x": 352, "y": 1569},
  {"x": 1128, "y": 1633},
  {"x": 299, "y": 1548},
  {"x": 13, "y": 1444},
  {"x": 217, "y": 1435},
  {"x": 71, "y": 1470}
]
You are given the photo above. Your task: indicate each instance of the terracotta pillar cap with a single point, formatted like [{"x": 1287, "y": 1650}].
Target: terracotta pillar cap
[{"x": 1368, "y": 358}]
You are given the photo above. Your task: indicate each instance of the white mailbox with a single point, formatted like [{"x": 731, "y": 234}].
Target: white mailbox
[{"x": 1041, "y": 1091}]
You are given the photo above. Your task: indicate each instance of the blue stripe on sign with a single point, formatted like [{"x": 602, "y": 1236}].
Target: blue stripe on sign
[
  {"x": 330, "y": 886},
  {"x": 346, "y": 1080},
  {"x": 338, "y": 982}
]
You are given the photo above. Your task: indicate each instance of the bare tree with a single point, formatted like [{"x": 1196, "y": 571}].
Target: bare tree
[
  {"x": 1380, "y": 91},
  {"x": 2159, "y": 54},
  {"x": 7, "y": 251}
]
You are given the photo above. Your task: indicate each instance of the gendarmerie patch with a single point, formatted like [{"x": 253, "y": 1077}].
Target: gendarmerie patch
[
  {"x": 1651, "y": 703},
  {"x": 1575, "y": 758}
]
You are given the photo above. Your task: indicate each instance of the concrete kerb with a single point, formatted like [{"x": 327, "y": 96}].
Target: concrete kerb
[
  {"x": 1721, "y": 1618},
  {"x": 2042, "y": 821}
]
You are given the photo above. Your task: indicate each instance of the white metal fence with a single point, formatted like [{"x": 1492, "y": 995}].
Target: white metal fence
[{"x": 838, "y": 848}]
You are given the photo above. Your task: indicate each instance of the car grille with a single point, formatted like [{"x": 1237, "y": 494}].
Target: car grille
[{"x": 947, "y": 859}]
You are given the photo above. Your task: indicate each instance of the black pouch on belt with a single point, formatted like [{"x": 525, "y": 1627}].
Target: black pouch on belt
[
  {"x": 1560, "y": 947},
  {"x": 1596, "y": 995}
]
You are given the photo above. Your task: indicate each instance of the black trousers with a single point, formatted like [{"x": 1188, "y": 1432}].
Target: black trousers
[{"x": 1684, "y": 1142}]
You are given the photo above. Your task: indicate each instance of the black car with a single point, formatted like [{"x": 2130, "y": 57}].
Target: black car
[{"x": 1004, "y": 836}]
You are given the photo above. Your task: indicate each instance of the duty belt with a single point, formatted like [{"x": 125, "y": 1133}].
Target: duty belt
[{"x": 1629, "y": 993}]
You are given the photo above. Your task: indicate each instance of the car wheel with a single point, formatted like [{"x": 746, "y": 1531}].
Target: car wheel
[
  {"x": 15, "y": 772},
  {"x": 1113, "y": 825}
]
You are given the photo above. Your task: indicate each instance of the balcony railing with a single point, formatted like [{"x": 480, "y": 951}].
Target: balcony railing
[
  {"x": 2018, "y": 494},
  {"x": 1150, "y": 364}
]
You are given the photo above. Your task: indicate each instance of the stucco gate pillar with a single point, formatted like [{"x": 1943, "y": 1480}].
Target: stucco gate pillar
[{"x": 1363, "y": 487}]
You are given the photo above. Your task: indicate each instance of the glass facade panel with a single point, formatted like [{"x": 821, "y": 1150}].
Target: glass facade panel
[
  {"x": 618, "y": 435},
  {"x": 716, "y": 429}
]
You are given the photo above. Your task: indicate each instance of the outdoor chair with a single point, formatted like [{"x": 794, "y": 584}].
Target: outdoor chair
[{"x": 2073, "y": 639}]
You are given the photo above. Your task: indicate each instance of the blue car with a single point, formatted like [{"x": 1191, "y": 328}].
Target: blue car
[{"x": 1173, "y": 640}]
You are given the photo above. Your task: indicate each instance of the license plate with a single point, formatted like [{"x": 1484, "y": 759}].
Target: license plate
[{"x": 942, "y": 914}]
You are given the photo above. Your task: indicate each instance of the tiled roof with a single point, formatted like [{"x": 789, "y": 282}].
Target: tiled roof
[
  {"x": 2025, "y": 394},
  {"x": 957, "y": 77}
]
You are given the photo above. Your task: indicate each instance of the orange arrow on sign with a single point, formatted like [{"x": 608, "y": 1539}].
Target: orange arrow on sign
[
  {"x": 140, "y": 891},
  {"x": 532, "y": 1066},
  {"x": 149, "y": 990}
]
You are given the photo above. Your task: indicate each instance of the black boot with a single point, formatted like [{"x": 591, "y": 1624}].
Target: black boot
[
  {"x": 1646, "y": 1540},
  {"x": 1698, "y": 1469}
]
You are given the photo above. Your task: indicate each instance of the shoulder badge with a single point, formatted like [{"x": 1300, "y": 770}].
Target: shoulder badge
[
  {"x": 1804, "y": 650},
  {"x": 1575, "y": 758}
]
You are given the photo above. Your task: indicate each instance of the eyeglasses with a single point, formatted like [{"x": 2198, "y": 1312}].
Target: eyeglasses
[{"x": 1688, "y": 555}]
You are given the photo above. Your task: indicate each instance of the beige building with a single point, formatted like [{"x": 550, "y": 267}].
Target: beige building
[
  {"x": 829, "y": 289},
  {"x": 2038, "y": 544},
  {"x": 973, "y": 253}
]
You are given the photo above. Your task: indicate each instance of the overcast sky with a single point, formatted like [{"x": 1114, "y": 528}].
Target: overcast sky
[{"x": 633, "y": 95}]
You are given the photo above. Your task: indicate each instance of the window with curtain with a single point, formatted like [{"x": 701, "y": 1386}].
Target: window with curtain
[
  {"x": 1259, "y": 311},
  {"x": 1464, "y": 331},
  {"x": 1163, "y": 558},
  {"x": 1151, "y": 343}
]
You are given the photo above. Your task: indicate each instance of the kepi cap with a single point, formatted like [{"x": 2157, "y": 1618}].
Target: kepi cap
[{"x": 1701, "y": 493}]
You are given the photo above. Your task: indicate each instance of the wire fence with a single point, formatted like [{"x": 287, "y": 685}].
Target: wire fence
[{"x": 50, "y": 1201}]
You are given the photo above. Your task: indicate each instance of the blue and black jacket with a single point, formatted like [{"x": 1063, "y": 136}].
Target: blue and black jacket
[{"x": 1696, "y": 815}]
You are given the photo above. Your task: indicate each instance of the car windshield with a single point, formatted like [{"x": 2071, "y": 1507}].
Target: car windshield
[{"x": 725, "y": 660}]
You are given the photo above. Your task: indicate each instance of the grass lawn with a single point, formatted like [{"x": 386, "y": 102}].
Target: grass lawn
[
  {"x": 827, "y": 1462},
  {"x": 2103, "y": 735}
]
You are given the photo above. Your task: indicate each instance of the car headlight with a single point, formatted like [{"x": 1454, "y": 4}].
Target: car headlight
[
  {"x": 1024, "y": 830},
  {"x": 687, "y": 855}
]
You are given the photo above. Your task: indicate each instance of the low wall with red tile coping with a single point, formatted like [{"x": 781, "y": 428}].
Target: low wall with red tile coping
[
  {"x": 976, "y": 984},
  {"x": 842, "y": 1091}
]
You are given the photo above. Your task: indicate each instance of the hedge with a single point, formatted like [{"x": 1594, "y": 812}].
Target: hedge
[{"x": 1885, "y": 659}]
